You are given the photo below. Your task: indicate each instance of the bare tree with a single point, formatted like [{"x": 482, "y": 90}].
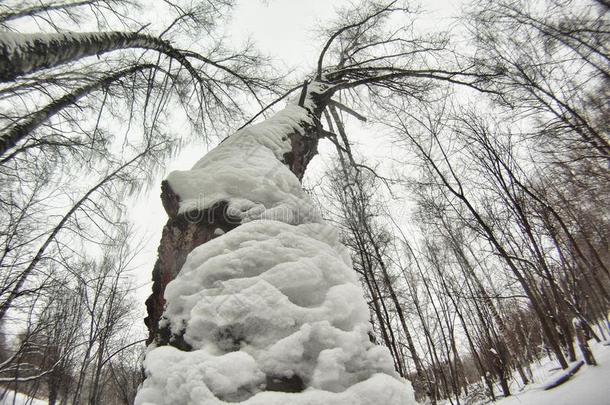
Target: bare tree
[{"x": 552, "y": 62}]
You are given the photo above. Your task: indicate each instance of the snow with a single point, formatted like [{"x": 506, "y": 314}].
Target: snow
[
  {"x": 270, "y": 299},
  {"x": 20, "y": 399},
  {"x": 589, "y": 386},
  {"x": 272, "y": 305},
  {"x": 562, "y": 376},
  {"x": 246, "y": 170},
  {"x": 314, "y": 87}
]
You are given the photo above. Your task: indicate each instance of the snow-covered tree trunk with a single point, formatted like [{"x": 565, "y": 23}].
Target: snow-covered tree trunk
[
  {"x": 22, "y": 54},
  {"x": 264, "y": 307},
  {"x": 583, "y": 343}
]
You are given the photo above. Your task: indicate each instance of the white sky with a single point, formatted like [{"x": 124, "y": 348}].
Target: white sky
[{"x": 284, "y": 29}]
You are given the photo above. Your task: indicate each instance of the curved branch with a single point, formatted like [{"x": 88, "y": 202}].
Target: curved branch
[
  {"x": 21, "y": 130},
  {"x": 22, "y": 54},
  {"x": 342, "y": 30},
  {"x": 426, "y": 74}
]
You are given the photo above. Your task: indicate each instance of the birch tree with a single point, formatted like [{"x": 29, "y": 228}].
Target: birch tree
[{"x": 76, "y": 103}]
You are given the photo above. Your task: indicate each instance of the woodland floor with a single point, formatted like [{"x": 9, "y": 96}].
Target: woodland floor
[{"x": 589, "y": 386}]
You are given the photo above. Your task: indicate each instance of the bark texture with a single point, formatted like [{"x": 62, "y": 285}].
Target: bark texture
[
  {"x": 22, "y": 54},
  {"x": 183, "y": 232}
]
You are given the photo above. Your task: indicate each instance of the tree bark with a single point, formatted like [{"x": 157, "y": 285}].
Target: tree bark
[
  {"x": 185, "y": 231},
  {"x": 22, "y": 54},
  {"x": 583, "y": 343}
]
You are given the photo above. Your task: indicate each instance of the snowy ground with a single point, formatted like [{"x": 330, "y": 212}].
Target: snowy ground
[
  {"x": 589, "y": 386},
  {"x": 10, "y": 398}
]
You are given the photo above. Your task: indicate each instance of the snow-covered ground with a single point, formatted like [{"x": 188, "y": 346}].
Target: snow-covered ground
[
  {"x": 589, "y": 386},
  {"x": 11, "y": 398}
]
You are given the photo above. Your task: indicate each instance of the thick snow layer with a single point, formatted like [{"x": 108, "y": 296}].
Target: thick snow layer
[
  {"x": 272, "y": 309},
  {"x": 270, "y": 300},
  {"x": 246, "y": 170},
  {"x": 589, "y": 386}
]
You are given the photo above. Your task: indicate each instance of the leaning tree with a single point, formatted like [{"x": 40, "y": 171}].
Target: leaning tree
[{"x": 254, "y": 298}]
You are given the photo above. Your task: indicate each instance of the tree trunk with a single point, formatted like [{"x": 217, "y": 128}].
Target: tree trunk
[
  {"x": 22, "y": 54},
  {"x": 583, "y": 343},
  {"x": 250, "y": 283},
  {"x": 184, "y": 231}
]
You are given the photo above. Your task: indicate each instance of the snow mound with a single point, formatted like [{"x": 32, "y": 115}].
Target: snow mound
[
  {"x": 246, "y": 170},
  {"x": 270, "y": 303}
]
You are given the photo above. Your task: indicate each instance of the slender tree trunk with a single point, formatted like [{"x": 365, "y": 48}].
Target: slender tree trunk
[
  {"x": 20, "y": 130},
  {"x": 475, "y": 354},
  {"x": 381, "y": 321},
  {"x": 399, "y": 310},
  {"x": 393, "y": 339},
  {"x": 583, "y": 343},
  {"x": 22, "y": 54}
]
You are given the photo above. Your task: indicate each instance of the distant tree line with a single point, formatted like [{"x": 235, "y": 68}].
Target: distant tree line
[{"x": 506, "y": 257}]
